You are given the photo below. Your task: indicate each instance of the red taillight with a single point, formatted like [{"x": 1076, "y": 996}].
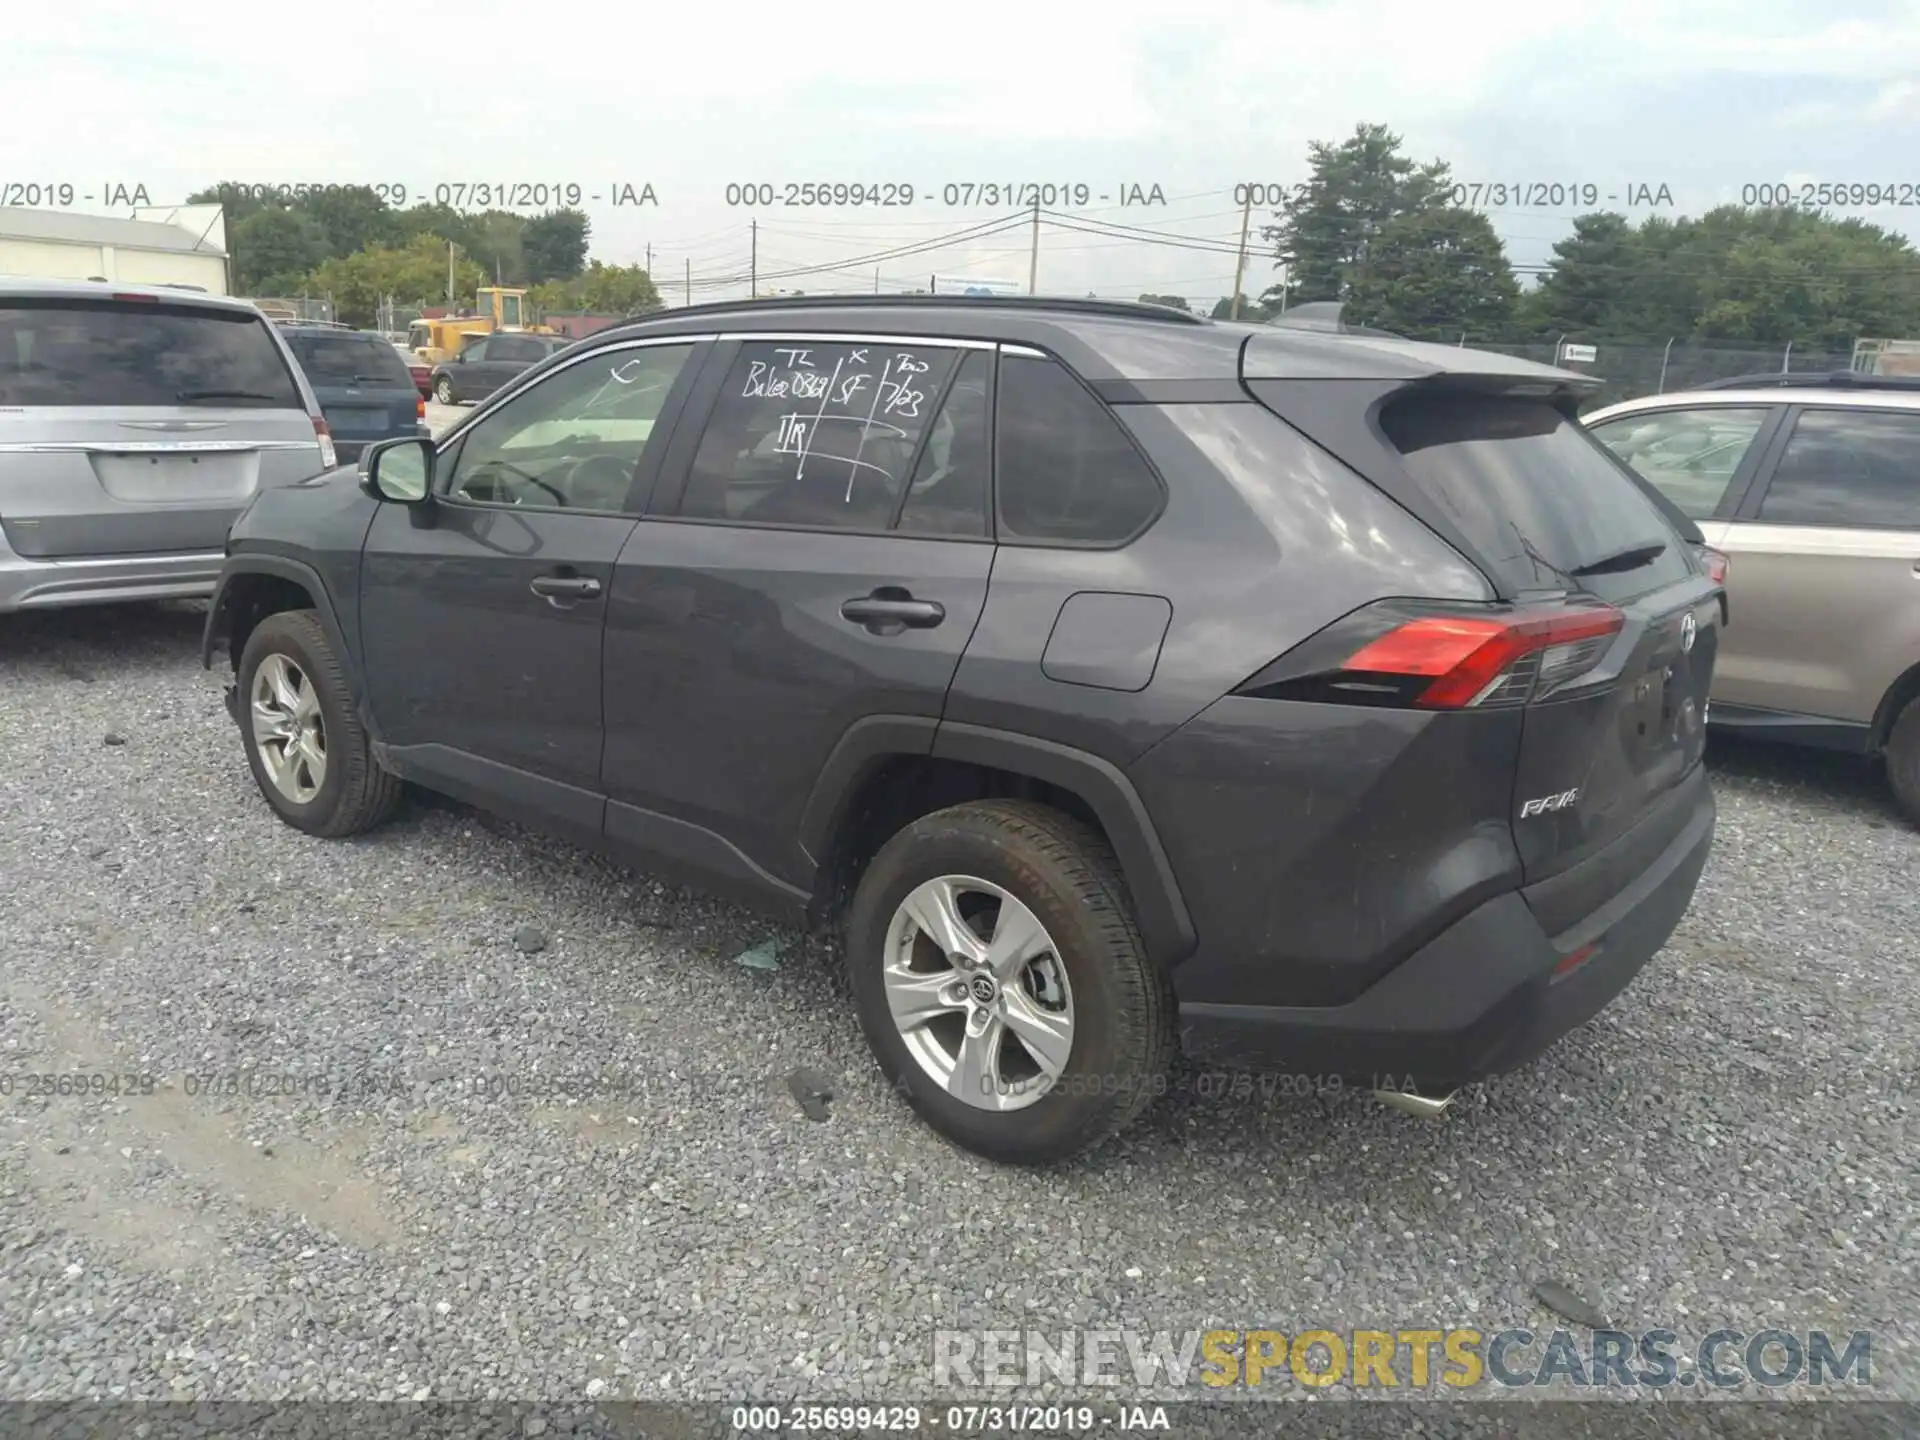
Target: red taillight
[
  {"x": 1470, "y": 658},
  {"x": 1717, "y": 564},
  {"x": 420, "y": 409},
  {"x": 142, "y": 299},
  {"x": 1434, "y": 656}
]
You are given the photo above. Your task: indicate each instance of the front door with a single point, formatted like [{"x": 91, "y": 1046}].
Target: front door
[
  {"x": 822, "y": 559},
  {"x": 481, "y": 615}
]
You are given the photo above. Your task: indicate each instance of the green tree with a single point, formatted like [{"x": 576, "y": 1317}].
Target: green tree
[
  {"x": 353, "y": 217},
  {"x": 1761, "y": 277},
  {"x": 601, "y": 290},
  {"x": 1250, "y": 309},
  {"x": 236, "y": 199},
  {"x": 415, "y": 274},
  {"x": 1329, "y": 229},
  {"x": 495, "y": 240},
  {"x": 1435, "y": 274},
  {"x": 274, "y": 251},
  {"x": 555, "y": 245},
  {"x": 1172, "y": 302}
]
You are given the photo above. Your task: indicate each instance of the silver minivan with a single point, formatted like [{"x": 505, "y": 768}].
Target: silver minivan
[{"x": 135, "y": 423}]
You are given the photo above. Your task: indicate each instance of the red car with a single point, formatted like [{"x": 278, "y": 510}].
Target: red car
[{"x": 421, "y": 371}]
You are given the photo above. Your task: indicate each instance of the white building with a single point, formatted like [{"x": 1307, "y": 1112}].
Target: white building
[{"x": 186, "y": 249}]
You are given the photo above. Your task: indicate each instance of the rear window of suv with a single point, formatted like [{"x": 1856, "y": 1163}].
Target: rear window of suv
[
  {"x": 350, "y": 360},
  {"x": 1535, "y": 493},
  {"x": 102, "y": 353}
]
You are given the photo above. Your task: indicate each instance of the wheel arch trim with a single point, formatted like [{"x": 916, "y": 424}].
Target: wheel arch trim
[
  {"x": 283, "y": 568},
  {"x": 1161, "y": 911}
]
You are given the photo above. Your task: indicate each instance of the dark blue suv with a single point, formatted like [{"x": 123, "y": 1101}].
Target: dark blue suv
[{"x": 364, "y": 388}]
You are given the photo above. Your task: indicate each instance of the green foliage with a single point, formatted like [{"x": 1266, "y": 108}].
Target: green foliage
[
  {"x": 1434, "y": 274},
  {"x": 1172, "y": 302},
  {"x": 601, "y": 290},
  {"x": 1251, "y": 310},
  {"x": 1334, "y": 224},
  {"x": 555, "y": 245},
  {"x": 414, "y": 274},
  {"x": 1763, "y": 277},
  {"x": 275, "y": 251}
]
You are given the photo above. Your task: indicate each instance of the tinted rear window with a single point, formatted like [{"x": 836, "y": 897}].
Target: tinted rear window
[
  {"x": 1534, "y": 492},
  {"x": 92, "y": 353},
  {"x": 349, "y": 360}
]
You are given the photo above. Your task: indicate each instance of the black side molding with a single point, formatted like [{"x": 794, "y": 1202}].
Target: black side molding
[{"x": 1165, "y": 923}]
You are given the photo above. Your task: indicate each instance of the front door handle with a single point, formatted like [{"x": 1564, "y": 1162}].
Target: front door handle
[
  {"x": 889, "y": 610},
  {"x": 564, "y": 588}
]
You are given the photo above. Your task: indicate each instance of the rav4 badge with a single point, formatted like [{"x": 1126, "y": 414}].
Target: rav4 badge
[{"x": 1548, "y": 802}]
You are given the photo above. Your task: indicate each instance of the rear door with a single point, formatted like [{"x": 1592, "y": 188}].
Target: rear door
[
  {"x": 364, "y": 388},
  {"x": 1551, "y": 510},
  {"x": 131, "y": 426},
  {"x": 1826, "y": 558},
  {"x": 820, "y": 556}
]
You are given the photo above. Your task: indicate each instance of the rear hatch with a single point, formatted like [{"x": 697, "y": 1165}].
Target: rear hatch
[
  {"x": 1605, "y": 626},
  {"x": 1617, "y": 719},
  {"x": 133, "y": 426},
  {"x": 365, "y": 390}
]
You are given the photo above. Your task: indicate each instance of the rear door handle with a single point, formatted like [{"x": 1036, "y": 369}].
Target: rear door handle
[
  {"x": 565, "y": 587},
  {"x": 881, "y": 612}
]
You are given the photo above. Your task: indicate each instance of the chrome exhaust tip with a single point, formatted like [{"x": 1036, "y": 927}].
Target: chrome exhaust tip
[{"x": 1423, "y": 1106}]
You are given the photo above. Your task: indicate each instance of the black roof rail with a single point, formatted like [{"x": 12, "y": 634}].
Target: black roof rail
[
  {"x": 1112, "y": 309},
  {"x": 1814, "y": 380}
]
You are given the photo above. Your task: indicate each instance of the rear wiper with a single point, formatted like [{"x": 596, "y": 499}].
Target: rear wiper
[
  {"x": 1630, "y": 559},
  {"x": 224, "y": 395}
]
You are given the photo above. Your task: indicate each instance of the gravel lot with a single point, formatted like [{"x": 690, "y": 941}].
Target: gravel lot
[{"x": 1732, "y": 1144}]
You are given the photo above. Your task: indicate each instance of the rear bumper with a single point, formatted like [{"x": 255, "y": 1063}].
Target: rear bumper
[
  {"x": 48, "y": 584},
  {"x": 1481, "y": 998}
]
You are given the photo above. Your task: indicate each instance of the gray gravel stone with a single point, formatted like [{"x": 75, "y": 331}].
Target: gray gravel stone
[{"x": 497, "y": 1174}]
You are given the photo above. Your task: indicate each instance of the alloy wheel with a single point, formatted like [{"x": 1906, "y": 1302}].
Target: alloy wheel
[
  {"x": 288, "y": 730},
  {"x": 978, "y": 992}
]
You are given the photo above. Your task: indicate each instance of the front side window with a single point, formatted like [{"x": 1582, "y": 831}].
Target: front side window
[
  {"x": 1849, "y": 468},
  {"x": 1068, "y": 474},
  {"x": 817, "y": 434},
  {"x": 574, "y": 440},
  {"x": 1690, "y": 456}
]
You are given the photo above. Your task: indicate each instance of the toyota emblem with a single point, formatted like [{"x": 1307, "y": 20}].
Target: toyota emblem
[{"x": 1687, "y": 631}]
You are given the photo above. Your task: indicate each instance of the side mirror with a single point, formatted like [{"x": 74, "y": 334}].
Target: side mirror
[{"x": 399, "y": 470}]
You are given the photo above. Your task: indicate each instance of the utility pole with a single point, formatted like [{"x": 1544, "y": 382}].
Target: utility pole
[
  {"x": 1240, "y": 265},
  {"x": 753, "y": 277},
  {"x": 876, "y": 279},
  {"x": 1033, "y": 260},
  {"x": 649, "y": 260},
  {"x": 450, "y": 276},
  {"x": 690, "y": 291}
]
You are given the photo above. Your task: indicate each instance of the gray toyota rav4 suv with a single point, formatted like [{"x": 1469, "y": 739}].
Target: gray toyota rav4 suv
[
  {"x": 135, "y": 423},
  {"x": 1110, "y": 679}
]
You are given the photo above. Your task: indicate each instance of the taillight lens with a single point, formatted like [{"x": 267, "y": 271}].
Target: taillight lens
[
  {"x": 1434, "y": 657},
  {"x": 1718, "y": 564},
  {"x": 329, "y": 457},
  {"x": 420, "y": 409}
]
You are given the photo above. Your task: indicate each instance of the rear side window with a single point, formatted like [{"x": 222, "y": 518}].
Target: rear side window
[
  {"x": 1068, "y": 474},
  {"x": 822, "y": 435},
  {"x": 1848, "y": 468},
  {"x": 1535, "y": 494},
  {"x": 349, "y": 360},
  {"x": 97, "y": 353}
]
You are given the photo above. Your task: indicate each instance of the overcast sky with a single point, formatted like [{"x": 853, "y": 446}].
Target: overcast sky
[{"x": 1701, "y": 96}]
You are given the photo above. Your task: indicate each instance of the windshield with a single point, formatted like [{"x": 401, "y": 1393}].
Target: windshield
[{"x": 349, "y": 360}]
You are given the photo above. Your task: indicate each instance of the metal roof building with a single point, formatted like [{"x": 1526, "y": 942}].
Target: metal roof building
[{"x": 62, "y": 245}]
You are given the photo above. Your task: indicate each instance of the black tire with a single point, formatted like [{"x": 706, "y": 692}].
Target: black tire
[
  {"x": 443, "y": 390},
  {"x": 1903, "y": 759},
  {"x": 1123, "y": 1006},
  {"x": 354, "y": 794}
]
